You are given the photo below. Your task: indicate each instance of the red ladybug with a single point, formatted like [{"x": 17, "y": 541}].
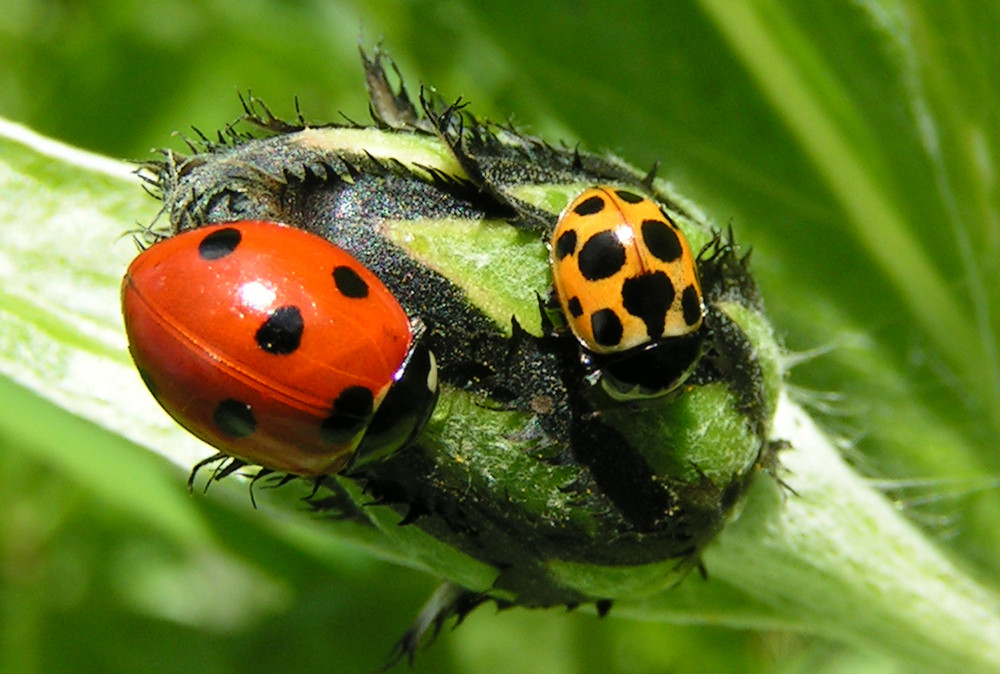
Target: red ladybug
[{"x": 277, "y": 347}]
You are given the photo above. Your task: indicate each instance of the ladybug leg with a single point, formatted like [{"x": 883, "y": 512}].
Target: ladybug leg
[
  {"x": 225, "y": 466},
  {"x": 215, "y": 458}
]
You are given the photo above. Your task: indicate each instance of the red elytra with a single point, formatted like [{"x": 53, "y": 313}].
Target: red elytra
[{"x": 268, "y": 342}]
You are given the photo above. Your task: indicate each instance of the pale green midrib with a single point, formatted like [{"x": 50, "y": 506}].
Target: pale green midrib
[
  {"x": 853, "y": 183},
  {"x": 63, "y": 332}
]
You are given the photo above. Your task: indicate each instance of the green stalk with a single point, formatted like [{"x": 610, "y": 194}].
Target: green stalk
[
  {"x": 836, "y": 558},
  {"x": 828, "y": 556}
]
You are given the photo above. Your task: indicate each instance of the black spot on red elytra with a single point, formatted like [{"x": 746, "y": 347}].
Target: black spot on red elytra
[
  {"x": 607, "y": 327},
  {"x": 575, "y": 308},
  {"x": 691, "y": 305},
  {"x": 601, "y": 257},
  {"x": 649, "y": 297},
  {"x": 234, "y": 418},
  {"x": 352, "y": 410},
  {"x": 629, "y": 197},
  {"x": 589, "y": 206},
  {"x": 661, "y": 240},
  {"x": 357, "y": 401},
  {"x": 219, "y": 243},
  {"x": 566, "y": 244},
  {"x": 281, "y": 333},
  {"x": 349, "y": 283}
]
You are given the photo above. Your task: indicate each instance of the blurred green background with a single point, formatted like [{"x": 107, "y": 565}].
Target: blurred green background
[{"x": 890, "y": 111}]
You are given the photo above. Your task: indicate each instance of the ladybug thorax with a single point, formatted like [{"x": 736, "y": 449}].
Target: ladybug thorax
[{"x": 623, "y": 271}]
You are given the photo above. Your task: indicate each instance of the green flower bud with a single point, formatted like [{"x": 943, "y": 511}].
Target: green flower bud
[{"x": 530, "y": 483}]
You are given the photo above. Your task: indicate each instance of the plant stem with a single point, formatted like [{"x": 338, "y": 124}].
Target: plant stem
[{"x": 841, "y": 558}]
